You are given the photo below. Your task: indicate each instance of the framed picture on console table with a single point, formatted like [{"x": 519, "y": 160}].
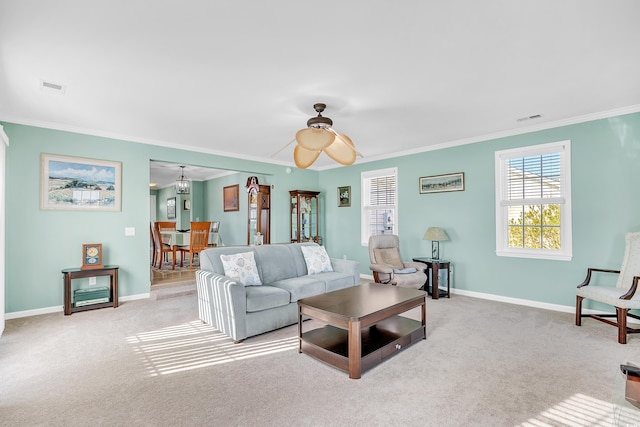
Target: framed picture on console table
[
  {"x": 91, "y": 256},
  {"x": 441, "y": 183}
]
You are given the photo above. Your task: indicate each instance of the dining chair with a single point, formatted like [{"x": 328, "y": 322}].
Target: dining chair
[
  {"x": 163, "y": 242},
  {"x": 198, "y": 241},
  {"x": 153, "y": 244}
]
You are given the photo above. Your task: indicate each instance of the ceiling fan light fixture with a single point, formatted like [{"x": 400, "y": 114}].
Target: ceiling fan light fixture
[
  {"x": 304, "y": 157},
  {"x": 314, "y": 139}
]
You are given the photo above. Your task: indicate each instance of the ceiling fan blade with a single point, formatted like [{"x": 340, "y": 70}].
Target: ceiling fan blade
[
  {"x": 342, "y": 150},
  {"x": 285, "y": 146},
  {"x": 346, "y": 141},
  {"x": 303, "y": 157}
]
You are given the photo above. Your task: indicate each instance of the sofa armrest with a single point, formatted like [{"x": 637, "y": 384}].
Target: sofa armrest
[
  {"x": 347, "y": 266},
  {"x": 222, "y": 303}
]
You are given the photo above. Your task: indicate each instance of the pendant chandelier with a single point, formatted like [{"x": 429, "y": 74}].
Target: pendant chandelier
[{"x": 182, "y": 185}]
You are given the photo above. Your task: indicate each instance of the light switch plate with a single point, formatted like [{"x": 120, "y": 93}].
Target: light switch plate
[
  {"x": 92, "y": 280},
  {"x": 130, "y": 231}
]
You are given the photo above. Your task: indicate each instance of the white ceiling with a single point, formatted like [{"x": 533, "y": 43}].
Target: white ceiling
[
  {"x": 241, "y": 77},
  {"x": 165, "y": 174}
]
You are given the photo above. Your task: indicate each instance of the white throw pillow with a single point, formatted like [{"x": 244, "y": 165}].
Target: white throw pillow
[
  {"x": 317, "y": 259},
  {"x": 242, "y": 268}
]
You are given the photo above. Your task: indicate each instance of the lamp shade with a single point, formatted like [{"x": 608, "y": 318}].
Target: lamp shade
[{"x": 435, "y": 234}]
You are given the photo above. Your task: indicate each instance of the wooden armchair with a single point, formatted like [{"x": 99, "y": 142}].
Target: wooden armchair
[
  {"x": 623, "y": 296},
  {"x": 198, "y": 241}
]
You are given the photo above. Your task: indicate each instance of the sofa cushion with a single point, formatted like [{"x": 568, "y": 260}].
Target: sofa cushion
[
  {"x": 276, "y": 263},
  {"x": 242, "y": 268},
  {"x": 317, "y": 259},
  {"x": 301, "y": 287},
  {"x": 265, "y": 297},
  {"x": 389, "y": 256},
  {"x": 334, "y": 280}
]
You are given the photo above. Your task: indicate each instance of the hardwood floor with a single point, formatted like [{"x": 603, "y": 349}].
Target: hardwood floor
[{"x": 167, "y": 276}]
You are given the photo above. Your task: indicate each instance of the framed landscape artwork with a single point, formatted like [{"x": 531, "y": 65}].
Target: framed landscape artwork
[
  {"x": 230, "y": 195},
  {"x": 441, "y": 183},
  {"x": 74, "y": 183}
]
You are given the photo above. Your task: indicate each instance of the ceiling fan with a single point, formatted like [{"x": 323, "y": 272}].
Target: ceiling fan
[{"x": 319, "y": 136}]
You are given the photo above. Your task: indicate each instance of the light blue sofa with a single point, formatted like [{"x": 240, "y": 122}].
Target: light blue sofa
[{"x": 244, "y": 311}]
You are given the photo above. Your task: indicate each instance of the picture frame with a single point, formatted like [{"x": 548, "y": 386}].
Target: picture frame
[
  {"x": 441, "y": 183},
  {"x": 344, "y": 196},
  {"x": 91, "y": 256},
  {"x": 230, "y": 196},
  {"x": 76, "y": 183},
  {"x": 171, "y": 208},
  {"x": 186, "y": 205}
]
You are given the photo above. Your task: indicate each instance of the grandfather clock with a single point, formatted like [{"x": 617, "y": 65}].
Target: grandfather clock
[{"x": 259, "y": 216}]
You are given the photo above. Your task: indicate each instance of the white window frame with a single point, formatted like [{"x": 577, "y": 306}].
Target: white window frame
[
  {"x": 565, "y": 253},
  {"x": 365, "y": 180}
]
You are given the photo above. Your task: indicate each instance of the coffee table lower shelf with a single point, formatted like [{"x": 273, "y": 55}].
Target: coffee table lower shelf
[{"x": 379, "y": 342}]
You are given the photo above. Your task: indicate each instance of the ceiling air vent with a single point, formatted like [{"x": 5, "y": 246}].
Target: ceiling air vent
[
  {"x": 524, "y": 119},
  {"x": 52, "y": 87}
]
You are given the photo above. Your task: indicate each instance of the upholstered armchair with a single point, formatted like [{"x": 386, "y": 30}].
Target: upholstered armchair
[
  {"x": 624, "y": 296},
  {"x": 387, "y": 264}
]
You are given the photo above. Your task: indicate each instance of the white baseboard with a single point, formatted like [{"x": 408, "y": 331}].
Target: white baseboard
[
  {"x": 60, "y": 308},
  {"x": 524, "y": 302}
]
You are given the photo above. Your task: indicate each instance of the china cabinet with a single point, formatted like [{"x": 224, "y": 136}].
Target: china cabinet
[{"x": 304, "y": 216}]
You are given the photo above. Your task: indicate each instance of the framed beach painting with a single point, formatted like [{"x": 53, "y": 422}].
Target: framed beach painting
[
  {"x": 75, "y": 183},
  {"x": 441, "y": 183}
]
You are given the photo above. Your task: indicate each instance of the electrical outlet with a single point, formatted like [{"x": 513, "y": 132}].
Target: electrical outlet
[{"x": 92, "y": 280}]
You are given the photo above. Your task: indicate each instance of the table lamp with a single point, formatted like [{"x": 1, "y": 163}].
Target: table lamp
[{"x": 435, "y": 234}]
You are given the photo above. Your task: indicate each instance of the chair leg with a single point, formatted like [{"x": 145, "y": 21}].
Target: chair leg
[
  {"x": 579, "y": 310},
  {"x": 621, "y": 314}
]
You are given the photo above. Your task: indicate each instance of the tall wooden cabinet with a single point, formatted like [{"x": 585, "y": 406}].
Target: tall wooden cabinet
[
  {"x": 304, "y": 210},
  {"x": 259, "y": 213}
]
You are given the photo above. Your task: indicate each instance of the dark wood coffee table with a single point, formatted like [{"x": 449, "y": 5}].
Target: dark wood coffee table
[{"x": 361, "y": 326}]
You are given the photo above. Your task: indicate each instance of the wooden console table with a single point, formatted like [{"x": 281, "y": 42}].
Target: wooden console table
[{"x": 76, "y": 273}]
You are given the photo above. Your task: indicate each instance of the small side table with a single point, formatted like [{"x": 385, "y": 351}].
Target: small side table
[
  {"x": 76, "y": 273},
  {"x": 435, "y": 265}
]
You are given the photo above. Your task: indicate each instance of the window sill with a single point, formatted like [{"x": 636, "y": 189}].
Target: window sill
[{"x": 536, "y": 255}]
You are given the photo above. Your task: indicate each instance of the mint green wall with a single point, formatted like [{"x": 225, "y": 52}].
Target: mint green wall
[
  {"x": 605, "y": 185},
  {"x": 605, "y": 182},
  {"x": 40, "y": 243}
]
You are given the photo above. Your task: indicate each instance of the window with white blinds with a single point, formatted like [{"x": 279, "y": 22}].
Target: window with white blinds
[
  {"x": 379, "y": 203},
  {"x": 533, "y": 201}
]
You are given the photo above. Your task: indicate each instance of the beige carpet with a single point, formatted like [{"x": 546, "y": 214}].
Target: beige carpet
[{"x": 153, "y": 363}]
